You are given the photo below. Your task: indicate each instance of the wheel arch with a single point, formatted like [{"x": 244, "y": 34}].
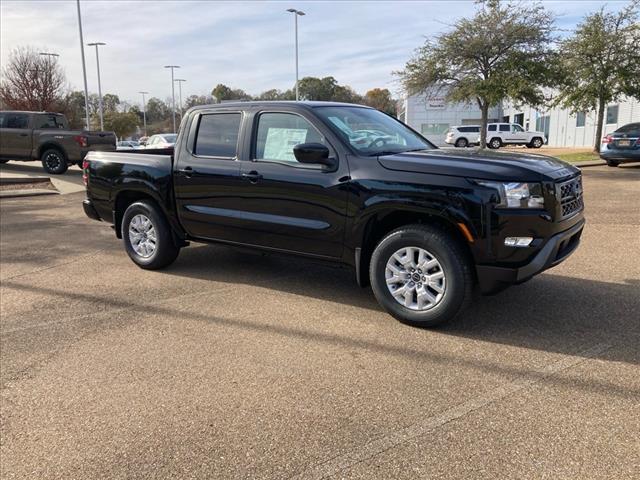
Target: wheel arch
[
  {"x": 49, "y": 146},
  {"x": 125, "y": 197},
  {"x": 384, "y": 221}
]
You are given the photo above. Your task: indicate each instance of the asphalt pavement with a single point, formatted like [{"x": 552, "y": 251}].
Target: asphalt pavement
[{"x": 233, "y": 364}]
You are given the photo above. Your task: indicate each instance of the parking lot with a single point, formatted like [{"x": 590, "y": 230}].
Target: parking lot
[{"x": 232, "y": 364}]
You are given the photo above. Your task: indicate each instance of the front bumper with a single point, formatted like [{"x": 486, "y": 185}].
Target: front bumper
[
  {"x": 90, "y": 210},
  {"x": 558, "y": 248}
]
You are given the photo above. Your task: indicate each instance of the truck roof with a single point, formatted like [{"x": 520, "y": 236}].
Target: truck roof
[
  {"x": 275, "y": 103},
  {"x": 29, "y": 111}
]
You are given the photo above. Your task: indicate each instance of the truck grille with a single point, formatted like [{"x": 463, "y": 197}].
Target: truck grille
[{"x": 570, "y": 196}]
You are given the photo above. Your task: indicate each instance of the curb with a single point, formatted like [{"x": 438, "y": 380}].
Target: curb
[
  {"x": 590, "y": 163},
  {"x": 19, "y": 180},
  {"x": 28, "y": 192}
]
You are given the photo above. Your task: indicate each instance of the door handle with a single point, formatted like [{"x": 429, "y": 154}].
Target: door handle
[
  {"x": 253, "y": 176},
  {"x": 24, "y": 134},
  {"x": 186, "y": 171}
]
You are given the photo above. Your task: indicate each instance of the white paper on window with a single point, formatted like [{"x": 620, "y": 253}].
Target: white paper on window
[{"x": 280, "y": 142}]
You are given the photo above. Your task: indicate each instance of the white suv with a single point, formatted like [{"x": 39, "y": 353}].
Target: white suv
[
  {"x": 463, "y": 135},
  {"x": 499, "y": 134}
]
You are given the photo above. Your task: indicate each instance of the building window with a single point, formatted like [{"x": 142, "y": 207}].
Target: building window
[
  {"x": 434, "y": 128},
  {"x": 519, "y": 118},
  {"x": 506, "y": 118},
  {"x": 580, "y": 119},
  {"x": 612, "y": 114}
]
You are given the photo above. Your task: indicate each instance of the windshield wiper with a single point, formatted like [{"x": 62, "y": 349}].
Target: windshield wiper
[
  {"x": 394, "y": 152},
  {"x": 383, "y": 152}
]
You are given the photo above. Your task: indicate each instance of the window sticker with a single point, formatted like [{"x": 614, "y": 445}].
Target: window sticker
[{"x": 280, "y": 142}]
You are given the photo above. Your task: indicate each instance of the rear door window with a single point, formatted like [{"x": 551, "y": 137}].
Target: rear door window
[
  {"x": 48, "y": 122},
  {"x": 218, "y": 135},
  {"x": 505, "y": 127}
]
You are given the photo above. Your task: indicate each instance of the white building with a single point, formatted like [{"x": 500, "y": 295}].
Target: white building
[
  {"x": 432, "y": 116},
  {"x": 564, "y": 129}
]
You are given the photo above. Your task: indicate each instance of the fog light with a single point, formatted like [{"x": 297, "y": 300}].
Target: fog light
[{"x": 518, "y": 241}]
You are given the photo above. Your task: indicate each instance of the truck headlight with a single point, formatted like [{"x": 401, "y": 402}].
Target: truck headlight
[{"x": 517, "y": 194}]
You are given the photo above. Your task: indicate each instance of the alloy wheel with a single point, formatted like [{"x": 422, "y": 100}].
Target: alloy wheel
[
  {"x": 415, "y": 278},
  {"x": 142, "y": 235}
]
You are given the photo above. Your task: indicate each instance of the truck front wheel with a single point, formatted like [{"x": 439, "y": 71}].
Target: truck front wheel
[
  {"x": 421, "y": 276},
  {"x": 54, "y": 161},
  {"x": 147, "y": 236},
  {"x": 536, "y": 142},
  {"x": 495, "y": 143}
]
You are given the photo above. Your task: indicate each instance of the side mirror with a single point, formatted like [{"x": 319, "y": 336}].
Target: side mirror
[{"x": 315, "y": 153}]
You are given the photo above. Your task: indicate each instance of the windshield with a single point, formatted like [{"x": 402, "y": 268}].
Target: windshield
[
  {"x": 170, "y": 138},
  {"x": 371, "y": 132}
]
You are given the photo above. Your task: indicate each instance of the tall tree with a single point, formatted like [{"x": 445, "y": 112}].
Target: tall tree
[
  {"x": 193, "y": 100},
  {"x": 600, "y": 63},
  {"x": 381, "y": 99},
  {"x": 123, "y": 124},
  {"x": 157, "y": 110},
  {"x": 224, "y": 93},
  {"x": 503, "y": 51},
  {"x": 32, "y": 82}
]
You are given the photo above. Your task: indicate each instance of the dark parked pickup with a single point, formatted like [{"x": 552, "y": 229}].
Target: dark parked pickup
[
  {"x": 348, "y": 184},
  {"x": 45, "y": 136}
]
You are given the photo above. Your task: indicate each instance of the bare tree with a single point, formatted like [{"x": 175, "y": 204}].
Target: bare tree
[{"x": 32, "y": 82}]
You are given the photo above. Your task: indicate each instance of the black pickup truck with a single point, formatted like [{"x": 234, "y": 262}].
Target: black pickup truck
[{"x": 348, "y": 184}]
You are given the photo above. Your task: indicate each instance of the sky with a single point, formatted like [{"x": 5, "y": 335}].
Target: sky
[{"x": 248, "y": 45}]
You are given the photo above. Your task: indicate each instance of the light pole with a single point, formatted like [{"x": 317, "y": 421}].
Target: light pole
[
  {"x": 144, "y": 112},
  {"x": 84, "y": 68},
  {"x": 173, "y": 94},
  {"x": 98, "y": 44},
  {"x": 48, "y": 55},
  {"x": 180, "y": 81},
  {"x": 296, "y": 14}
]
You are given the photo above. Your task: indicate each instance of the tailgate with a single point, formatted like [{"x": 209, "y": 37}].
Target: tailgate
[{"x": 101, "y": 141}]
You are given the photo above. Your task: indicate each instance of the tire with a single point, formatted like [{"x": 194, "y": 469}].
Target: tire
[
  {"x": 462, "y": 143},
  {"x": 612, "y": 163},
  {"x": 536, "y": 142},
  {"x": 495, "y": 143},
  {"x": 453, "y": 266},
  {"x": 54, "y": 161},
  {"x": 147, "y": 254}
]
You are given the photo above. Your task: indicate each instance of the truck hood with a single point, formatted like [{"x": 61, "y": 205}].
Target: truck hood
[{"x": 487, "y": 165}]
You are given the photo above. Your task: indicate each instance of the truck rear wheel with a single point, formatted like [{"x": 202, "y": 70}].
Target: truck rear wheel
[
  {"x": 421, "y": 276},
  {"x": 147, "y": 236},
  {"x": 54, "y": 161}
]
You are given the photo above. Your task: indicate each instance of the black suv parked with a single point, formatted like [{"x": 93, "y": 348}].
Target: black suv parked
[{"x": 348, "y": 184}]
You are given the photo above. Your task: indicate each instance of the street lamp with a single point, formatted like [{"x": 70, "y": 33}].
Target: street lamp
[
  {"x": 180, "y": 81},
  {"x": 296, "y": 14},
  {"x": 47, "y": 54},
  {"x": 98, "y": 44},
  {"x": 173, "y": 94},
  {"x": 144, "y": 112},
  {"x": 84, "y": 68}
]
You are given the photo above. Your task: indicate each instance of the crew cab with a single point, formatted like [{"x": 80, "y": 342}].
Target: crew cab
[
  {"x": 501, "y": 134},
  {"x": 349, "y": 184},
  {"x": 45, "y": 136}
]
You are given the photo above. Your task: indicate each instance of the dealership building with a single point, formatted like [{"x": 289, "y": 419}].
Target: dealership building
[{"x": 432, "y": 116}]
